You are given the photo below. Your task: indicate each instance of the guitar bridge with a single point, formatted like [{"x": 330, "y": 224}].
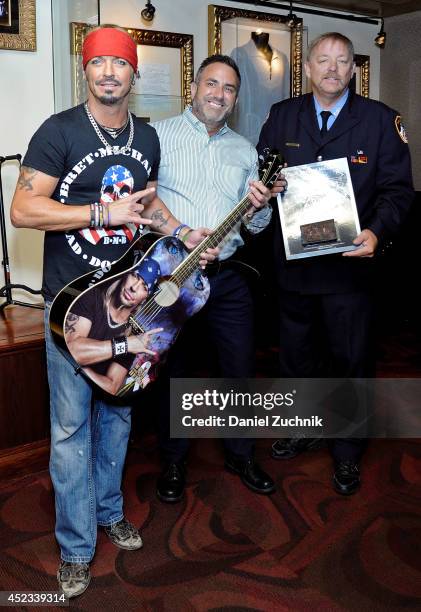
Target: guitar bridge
[{"x": 134, "y": 326}]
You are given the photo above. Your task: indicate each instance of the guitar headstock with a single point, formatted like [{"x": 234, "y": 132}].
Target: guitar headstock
[{"x": 270, "y": 167}]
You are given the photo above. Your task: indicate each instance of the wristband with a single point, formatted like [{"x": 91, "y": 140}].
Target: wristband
[
  {"x": 106, "y": 214},
  {"x": 96, "y": 214},
  {"x": 119, "y": 346},
  {"x": 178, "y": 229},
  {"x": 183, "y": 238},
  {"x": 92, "y": 211}
]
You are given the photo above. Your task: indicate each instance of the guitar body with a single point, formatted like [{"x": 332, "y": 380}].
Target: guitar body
[
  {"x": 169, "y": 253},
  {"x": 177, "y": 290}
]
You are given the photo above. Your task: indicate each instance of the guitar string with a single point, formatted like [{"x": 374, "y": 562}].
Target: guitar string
[
  {"x": 192, "y": 260},
  {"x": 190, "y": 263},
  {"x": 223, "y": 230}
]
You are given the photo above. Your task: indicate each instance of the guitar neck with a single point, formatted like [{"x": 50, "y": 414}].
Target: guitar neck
[{"x": 191, "y": 263}]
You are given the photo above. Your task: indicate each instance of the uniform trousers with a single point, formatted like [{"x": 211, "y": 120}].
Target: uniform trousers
[{"x": 328, "y": 335}]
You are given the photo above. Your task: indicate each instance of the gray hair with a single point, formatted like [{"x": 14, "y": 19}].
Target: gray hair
[{"x": 331, "y": 36}]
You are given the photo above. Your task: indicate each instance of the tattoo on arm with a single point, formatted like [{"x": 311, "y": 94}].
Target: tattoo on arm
[
  {"x": 70, "y": 324},
  {"x": 26, "y": 177},
  {"x": 158, "y": 219}
]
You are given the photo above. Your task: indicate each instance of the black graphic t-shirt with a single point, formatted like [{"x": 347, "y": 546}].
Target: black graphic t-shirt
[
  {"x": 66, "y": 146},
  {"x": 91, "y": 305}
]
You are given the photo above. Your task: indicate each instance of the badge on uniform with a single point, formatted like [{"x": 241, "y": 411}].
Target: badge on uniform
[
  {"x": 400, "y": 129},
  {"x": 359, "y": 158}
]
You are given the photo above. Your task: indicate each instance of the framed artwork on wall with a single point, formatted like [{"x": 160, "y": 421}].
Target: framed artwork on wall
[
  {"x": 166, "y": 69},
  {"x": 268, "y": 51},
  {"x": 18, "y": 25},
  {"x": 360, "y": 82}
]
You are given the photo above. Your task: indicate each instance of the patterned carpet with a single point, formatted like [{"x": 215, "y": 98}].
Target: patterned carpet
[{"x": 225, "y": 548}]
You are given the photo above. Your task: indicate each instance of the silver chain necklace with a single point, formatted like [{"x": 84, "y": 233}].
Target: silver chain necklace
[
  {"x": 111, "y": 323},
  {"x": 114, "y": 132},
  {"x": 101, "y": 136}
]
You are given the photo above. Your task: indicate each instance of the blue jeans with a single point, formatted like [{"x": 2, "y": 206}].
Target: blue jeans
[{"x": 89, "y": 440}]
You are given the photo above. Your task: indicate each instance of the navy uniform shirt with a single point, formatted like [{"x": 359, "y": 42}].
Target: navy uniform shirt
[{"x": 370, "y": 135}]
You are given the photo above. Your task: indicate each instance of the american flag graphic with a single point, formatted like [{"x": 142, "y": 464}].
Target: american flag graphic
[{"x": 117, "y": 183}]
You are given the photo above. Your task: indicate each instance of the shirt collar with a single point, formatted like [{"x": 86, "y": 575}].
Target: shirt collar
[
  {"x": 198, "y": 125},
  {"x": 336, "y": 108}
]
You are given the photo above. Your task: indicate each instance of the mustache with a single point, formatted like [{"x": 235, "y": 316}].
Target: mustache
[
  {"x": 215, "y": 99},
  {"x": 108, "y": 81}
]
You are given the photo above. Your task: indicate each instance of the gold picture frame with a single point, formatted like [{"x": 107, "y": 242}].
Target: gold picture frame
[
  {"x": 150, "y": 38},
  {"x": 217, "y": 15},
  {"x": 362, "y": 75},
  {"x": 18, "y": 25}
]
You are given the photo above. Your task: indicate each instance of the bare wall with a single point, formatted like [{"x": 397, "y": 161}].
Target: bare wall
[{"x": 400, "y": 79}]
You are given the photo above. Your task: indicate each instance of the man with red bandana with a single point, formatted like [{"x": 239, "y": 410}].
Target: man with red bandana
[{"x": 72, "y": 161}]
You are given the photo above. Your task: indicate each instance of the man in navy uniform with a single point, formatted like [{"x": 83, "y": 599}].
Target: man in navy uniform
[{"x": 332, "y": 293}]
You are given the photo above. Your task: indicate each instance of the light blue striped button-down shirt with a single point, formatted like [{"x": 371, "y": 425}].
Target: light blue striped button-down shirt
[{"x": 201, "y": 177}]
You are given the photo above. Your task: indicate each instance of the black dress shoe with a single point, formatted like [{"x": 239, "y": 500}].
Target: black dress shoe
[
  {"x": 171, "y": 483},
  {"x": 251, "y": 474},
  {"x": 287, "y": 448},
  {"x": 346, "y": 479}
]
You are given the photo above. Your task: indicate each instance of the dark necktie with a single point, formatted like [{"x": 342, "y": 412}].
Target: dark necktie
[{"x": 325, "y": 117}]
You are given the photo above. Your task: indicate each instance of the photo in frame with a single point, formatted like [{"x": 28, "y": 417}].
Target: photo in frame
[
  {"x": 318, "y": 212},
  {"x": 18, "y": 25},
  {"x": 165, "y": 65},
  {"x": 268, "y": 52}
]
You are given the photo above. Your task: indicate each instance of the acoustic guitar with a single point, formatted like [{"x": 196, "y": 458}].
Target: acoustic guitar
[{"x": 179, "y": 292}]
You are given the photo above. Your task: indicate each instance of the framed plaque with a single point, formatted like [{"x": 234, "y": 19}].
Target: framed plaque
[{"x": 318, "y": 212}]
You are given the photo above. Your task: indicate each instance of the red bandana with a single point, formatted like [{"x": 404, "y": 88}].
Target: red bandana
[{"x": 109, "y": 41}]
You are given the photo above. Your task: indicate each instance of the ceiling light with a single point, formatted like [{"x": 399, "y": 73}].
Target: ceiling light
[
  {"x": 291, "y": 18},
  {"x": 380, "y": 39},
  {"x": 149, "y": 11}
]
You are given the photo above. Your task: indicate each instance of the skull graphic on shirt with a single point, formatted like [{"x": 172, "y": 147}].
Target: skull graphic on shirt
[{"x": 117, "y": 183}]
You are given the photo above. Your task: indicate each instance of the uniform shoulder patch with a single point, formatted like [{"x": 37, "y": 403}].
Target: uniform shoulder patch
[{"x": 400, "y": 129}]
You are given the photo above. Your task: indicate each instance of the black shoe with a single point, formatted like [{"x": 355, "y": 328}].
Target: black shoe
[
  {"x": 171, "y": 483},
  {"x": 346, "y": 479},
  {"x": 251, "y": 474},
  {"x": 287, "y": 448}
]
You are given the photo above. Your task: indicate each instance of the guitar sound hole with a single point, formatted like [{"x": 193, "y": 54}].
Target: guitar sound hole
[{"x": 167, "y": 293}]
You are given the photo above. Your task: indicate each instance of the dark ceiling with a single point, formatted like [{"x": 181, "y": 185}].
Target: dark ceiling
[{"x": 375, "y": 8}]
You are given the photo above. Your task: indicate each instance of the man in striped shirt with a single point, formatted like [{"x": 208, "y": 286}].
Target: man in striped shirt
[{"x": 205, "y": 170}]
